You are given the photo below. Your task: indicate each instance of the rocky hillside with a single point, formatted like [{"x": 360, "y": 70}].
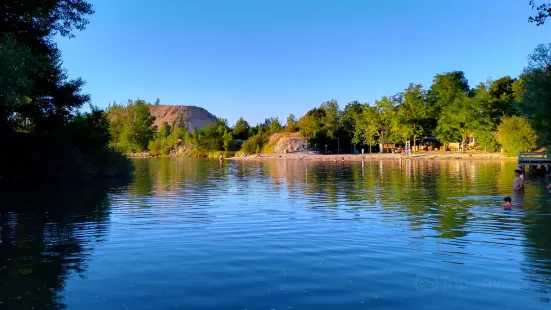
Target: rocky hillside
[
  {"x": 287, "y": 142},
  {"x": 193, "y": 117}
]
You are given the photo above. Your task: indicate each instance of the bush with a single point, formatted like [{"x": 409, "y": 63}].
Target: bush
[
  {"x": 255, "y": 143},
  {"x": 516, "y": 135}
]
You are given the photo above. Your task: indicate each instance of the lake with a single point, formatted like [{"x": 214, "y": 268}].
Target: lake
[{"x": 199, "y": 234}]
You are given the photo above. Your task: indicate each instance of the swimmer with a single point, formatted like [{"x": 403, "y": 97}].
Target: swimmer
[{"x": 507, "y": 204}]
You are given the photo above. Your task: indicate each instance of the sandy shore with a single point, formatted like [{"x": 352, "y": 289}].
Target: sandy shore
[{"x": 384, "y": 156}]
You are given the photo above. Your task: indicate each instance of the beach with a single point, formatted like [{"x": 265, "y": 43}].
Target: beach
[{"x": 376, "y": 156}]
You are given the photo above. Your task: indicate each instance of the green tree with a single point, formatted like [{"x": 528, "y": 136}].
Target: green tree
[
  {"x": 349, "y": 116},
  {"x": 39, "y": 105},
  {"x": 366, "y": 126},
  {"x": 241, "y": 129},
  {"x": 385, "y": 114},
  {"x": 255, "y": 143},
  {"x": 165, "y": 130},
  {"x": 516, "y": 135},
  {"x": 331, "y": 120},
  {"x": 448, "y": 100},
  {"x": 310, "y": 125},
  {"x": 536, "y": 103},
  {"x": 131, "y": 126},
  {"x": 227, "y": 140},
  {"x": 274, "y": 126},
  {"x": 412, "y": 113},
  {"x": 291, "y": 125}
]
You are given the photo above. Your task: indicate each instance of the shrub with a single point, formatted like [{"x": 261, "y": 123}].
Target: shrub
[
  {"x": 516, "y": 135},
  {"x": 255, "y": 143}
]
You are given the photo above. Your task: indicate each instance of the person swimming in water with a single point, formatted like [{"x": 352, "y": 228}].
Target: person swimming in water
[{"x": 507, "y": 204}]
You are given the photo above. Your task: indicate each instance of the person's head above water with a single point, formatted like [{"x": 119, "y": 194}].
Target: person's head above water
[{"x": 507, "y": 202}]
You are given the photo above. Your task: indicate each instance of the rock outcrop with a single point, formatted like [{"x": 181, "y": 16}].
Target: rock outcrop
[
  {"x": 287, "y": 143},
  {"x": 194, "y": 118}
]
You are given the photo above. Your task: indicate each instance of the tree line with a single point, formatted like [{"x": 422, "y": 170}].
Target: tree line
[
  {"x": 513, "y": 113},
  {"x": 49, "y": 137}
]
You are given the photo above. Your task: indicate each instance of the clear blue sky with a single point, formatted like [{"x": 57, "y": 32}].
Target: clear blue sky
[{"x": 258, "y": 59}]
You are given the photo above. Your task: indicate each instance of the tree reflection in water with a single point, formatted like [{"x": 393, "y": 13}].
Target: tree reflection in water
[{"x": 41, "y": 243}]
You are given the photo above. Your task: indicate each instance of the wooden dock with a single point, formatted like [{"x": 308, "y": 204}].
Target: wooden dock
[{"x": 534, "y": 160}]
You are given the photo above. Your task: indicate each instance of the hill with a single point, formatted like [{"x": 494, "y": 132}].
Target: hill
[{"x": 193, "y": 117}]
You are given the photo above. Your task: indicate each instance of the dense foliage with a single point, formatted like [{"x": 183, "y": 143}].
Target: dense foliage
[
  {"x": 39, "y": 105},
  {"x": 516, "y": 135}
]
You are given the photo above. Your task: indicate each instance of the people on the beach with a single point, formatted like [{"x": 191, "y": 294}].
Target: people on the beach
[
  {"x": 518, "y": 184},
  {"x": 507, "y": 203}
]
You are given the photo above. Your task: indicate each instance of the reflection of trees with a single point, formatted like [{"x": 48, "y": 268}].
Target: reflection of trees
[
  {"x": 41, "y": 243},
  {"x": 418, "y": 190}
]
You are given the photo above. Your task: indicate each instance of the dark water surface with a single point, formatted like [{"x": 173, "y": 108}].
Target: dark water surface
[{"x": 192, "y": 234}]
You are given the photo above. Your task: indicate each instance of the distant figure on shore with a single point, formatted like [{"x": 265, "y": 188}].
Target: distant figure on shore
[
  {"x": 507, "y": 203},
  {"x": 518, "y": 184}
]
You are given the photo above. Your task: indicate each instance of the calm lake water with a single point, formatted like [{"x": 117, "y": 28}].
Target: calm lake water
[{"x": 197, "y": 234}]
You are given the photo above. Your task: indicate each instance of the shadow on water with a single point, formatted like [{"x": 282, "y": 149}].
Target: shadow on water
[{"x": 46, "y": 235}]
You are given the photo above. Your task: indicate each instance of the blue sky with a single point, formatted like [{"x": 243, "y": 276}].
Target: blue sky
[{"x": 259, "y": 59}]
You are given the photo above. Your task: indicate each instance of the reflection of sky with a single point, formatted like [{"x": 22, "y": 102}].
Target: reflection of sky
[{"x": 209, "y": 239}]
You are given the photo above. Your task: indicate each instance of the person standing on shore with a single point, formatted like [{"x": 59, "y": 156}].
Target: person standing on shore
[{"x": 518, "y": 184}]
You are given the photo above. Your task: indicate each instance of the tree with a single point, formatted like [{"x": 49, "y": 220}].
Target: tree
[
  {"x": 332, "y": 117},
  {"x": 228, "y": 139},
  {"x": 131, "y": 126},
  {"x": 157, "y": 102},
  {"x": 366, "y": 126},
  {"x": 291, "y": 125},
  {"x": 412, "y": 113},
  {"x": 516, "y": 135},
  {"x": 274, "y": 126},
  {"x": 165, "y": 130},
  {"x": 39, "y": 104},
  {"x": 310, "y": 124},
  {"x": 543, "y": 12},
  {"x": 349, "y": 116},
  {"x": 241, "y": 129},
  {"x": 39, "y": 96},
  {"x": 385, "y": 111},
  {"x": 447, "y": 99},
  {"x": 536, "y": 103}
]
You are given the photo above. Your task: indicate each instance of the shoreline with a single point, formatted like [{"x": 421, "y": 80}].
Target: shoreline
[{"x": 376, "y": 156}]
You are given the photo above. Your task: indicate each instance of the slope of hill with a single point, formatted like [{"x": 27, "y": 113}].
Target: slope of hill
[{"x": 194, "y": 118}]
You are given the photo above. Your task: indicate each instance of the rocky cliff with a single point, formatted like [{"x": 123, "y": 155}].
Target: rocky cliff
[{"x": 194, "y": 118}]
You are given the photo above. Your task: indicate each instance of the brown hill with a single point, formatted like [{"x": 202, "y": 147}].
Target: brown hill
[{"x": 194, "y": 117}]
